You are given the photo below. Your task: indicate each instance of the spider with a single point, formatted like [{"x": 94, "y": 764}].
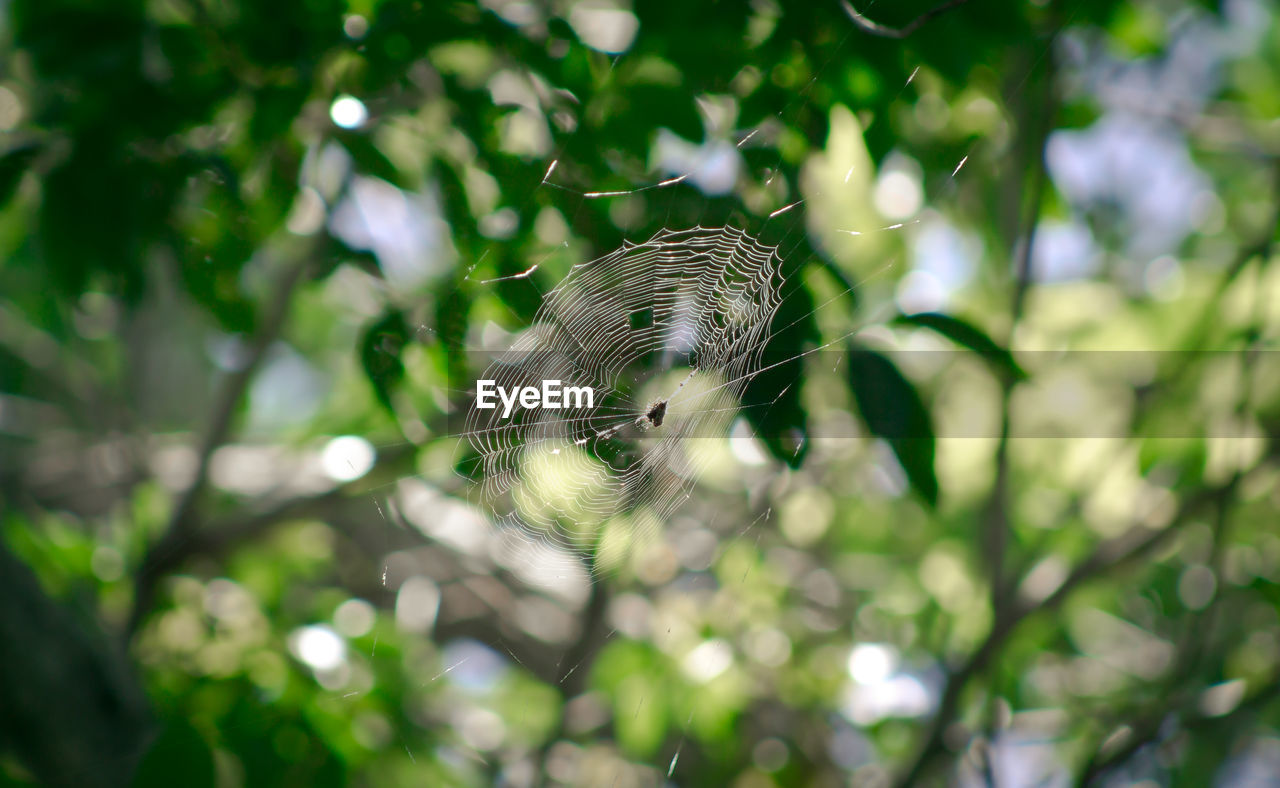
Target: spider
[
  {"x": 653, "y": 417},
  {"x": 658, "y": 410}
]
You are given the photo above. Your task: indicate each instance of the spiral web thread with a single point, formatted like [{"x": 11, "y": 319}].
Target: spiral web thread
[{"x": 682, "y": 318}]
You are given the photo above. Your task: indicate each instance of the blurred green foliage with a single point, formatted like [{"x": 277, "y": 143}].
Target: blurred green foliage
[{"x": 233, "y": 233}]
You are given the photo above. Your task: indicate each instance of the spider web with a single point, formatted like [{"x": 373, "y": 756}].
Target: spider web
[
  {"x": 668, "y": 333},
  {"x": 683, "y": 319}
]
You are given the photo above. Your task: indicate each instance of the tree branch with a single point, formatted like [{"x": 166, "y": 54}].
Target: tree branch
[
  {"x": 1147, "y": 730},
  {"x": 877, "y": 29},
  {"x": 181, "y": 519},
  {"x": 997, "y": 531},
  {"x": 1148, "y": 726},
  {"x": 572, "y": 670},
  {"x": 1110, "y": 555}
]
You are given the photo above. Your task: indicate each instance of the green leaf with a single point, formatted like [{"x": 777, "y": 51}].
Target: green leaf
[
  {"x": 212, "y": 258},
  {"x": 771, "y": 400},
  {"x": 372, "y": 161},
  {"x": 179, "y": 754},
  {"x": 87, "y": 228},
  {"x": 380, "y": 350},
  {"x": 13, "y": 164},
  {"x": 967, "y": 335},
  {"x": 275, "y": 109},
  {"x": 893, "y": 410},
  {"x": 453, "y": 308}
]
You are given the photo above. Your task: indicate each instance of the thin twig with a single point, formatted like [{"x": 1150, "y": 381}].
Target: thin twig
[
  {"x": 573, "y": 673},
  {"x": 1189, "y": 719},
  {"x": 997, "y": 531},
  {"x": 219, "y": 537},
  {"x": 1136, "y": 543},
  {"x": 877, "y": 29},
  {"x": 1148, "y": 727}
]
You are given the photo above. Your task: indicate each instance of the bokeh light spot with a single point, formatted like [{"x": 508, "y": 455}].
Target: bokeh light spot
[
  {"x": 347, "y": 458},
  {"x": 319, "y": 647},
  {"x": 348, "y": 112}
]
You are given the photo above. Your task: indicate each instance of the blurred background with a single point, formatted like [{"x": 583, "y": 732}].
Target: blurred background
[{"x": 1024, "y": 534}]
